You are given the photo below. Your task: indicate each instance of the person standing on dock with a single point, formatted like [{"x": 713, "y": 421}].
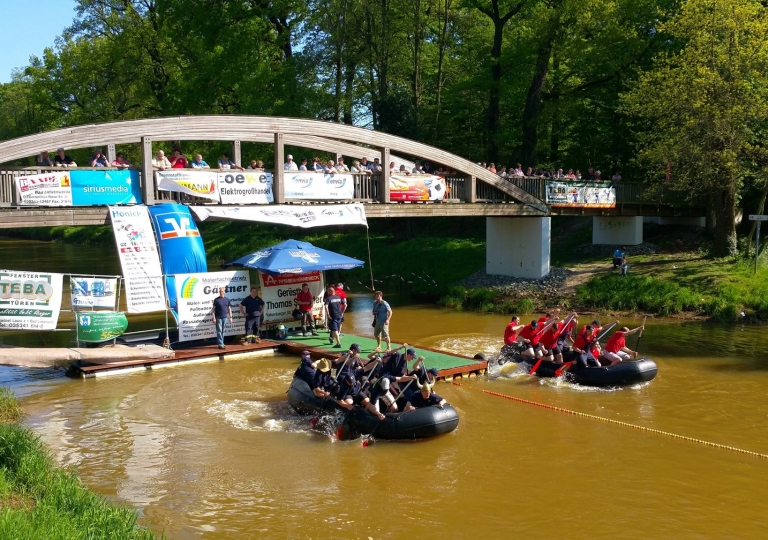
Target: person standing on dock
[
  {"x": 252, "y": 308},
  {"x": 382, "y": 313},
  {"x": 222, "y": 311},
  {"x": 305, "y": 300},
  {"x": 334, "y": 310}
]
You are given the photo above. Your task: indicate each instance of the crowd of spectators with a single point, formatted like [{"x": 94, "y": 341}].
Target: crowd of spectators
[{"x": 538, "y": 172}]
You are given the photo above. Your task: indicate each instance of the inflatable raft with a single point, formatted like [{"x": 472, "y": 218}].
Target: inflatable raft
[
  {"x": 421, "y": 423},
  {"x": 623, "y": 374}
]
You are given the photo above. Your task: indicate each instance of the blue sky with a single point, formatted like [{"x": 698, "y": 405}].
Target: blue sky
[{"x": 29, "y": 26}]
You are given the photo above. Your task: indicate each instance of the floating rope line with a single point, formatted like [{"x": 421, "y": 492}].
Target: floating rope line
[{"x": 620, "y": 423}]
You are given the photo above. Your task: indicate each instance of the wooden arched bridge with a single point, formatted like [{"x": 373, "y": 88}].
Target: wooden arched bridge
[{"x": 471, "y": 187}]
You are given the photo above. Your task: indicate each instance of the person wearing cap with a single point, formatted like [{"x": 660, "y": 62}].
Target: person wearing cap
[
  {"x": 44, "y": 160},
  {"x": 334, "y": 311},
  {"x": 289, "y": 165},
  {"x": 348, "y": 362},
  {"x": 424, "y": 398},
  {"x": 305, "y": 301},
  {"x": 395, "y": 366},
  {"x": 322, "y": 382},
  {"x": 351, "y": 394},
  {"x": 306, "y": 370},
  {"x": 382, "y": 398},
  {"x": 382, "y": 313},
  {"x": 252, "y": 308},
  {"x": 63, "y": 160}
]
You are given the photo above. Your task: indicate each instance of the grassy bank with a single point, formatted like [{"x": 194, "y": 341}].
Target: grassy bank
[{"x": 39, "y": 500}]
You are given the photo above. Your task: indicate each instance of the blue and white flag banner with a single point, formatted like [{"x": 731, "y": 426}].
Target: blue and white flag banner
[
  {"x": 297, "y": 216},
  {"x": 318, "y": 186},
  {"x": 136, "y": 247}
]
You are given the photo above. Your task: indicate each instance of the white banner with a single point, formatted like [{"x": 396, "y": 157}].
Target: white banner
[
  {"x": 191, "y": 182},
  {"x": 245, "y": 187},
  {"x": 581, "y": 194},
  {"x": 91, "y": 292},
  {"x": 29, "y": 300},
  {"x": 136, "y": 247},
  {"x": 49, "y": 189},
  {"x": 318, "y": 186},
  {"x": 279, "y": 293},
  {"x": 301, "y": 216},
  {"x": 195, "y": 294}
]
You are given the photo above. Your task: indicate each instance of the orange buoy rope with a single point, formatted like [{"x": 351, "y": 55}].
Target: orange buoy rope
[{"x": 620, "y": 423}]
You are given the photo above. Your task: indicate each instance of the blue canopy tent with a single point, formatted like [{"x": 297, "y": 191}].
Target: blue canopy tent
[{"x": 294, "y": 257}]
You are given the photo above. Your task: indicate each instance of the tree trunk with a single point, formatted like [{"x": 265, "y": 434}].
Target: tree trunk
[
  {"x": 442, "y": 45},
  {"x": 349, "y": 81},
  {"x": 533, "y": 103},
  {"x": 724, "y": 206},
  {"x": 493, "y": 95},
  {"x": 760, "y": 208}
]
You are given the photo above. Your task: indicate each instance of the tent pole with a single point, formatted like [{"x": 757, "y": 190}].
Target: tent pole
[{"x": 370, "y": 264}]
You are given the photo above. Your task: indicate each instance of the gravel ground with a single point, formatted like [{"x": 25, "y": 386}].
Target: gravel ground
[
  {"x": 553, "y": 283},
  {"x": 592, "y": 249}
]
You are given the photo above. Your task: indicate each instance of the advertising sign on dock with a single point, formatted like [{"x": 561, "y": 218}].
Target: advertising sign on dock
[
  {"x": 100, "y": 326},
  {"x": 29, "y": 300},
  {"x": 90, "y": 292}
]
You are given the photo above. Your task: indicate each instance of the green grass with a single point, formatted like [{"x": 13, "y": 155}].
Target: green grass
[
  {"x": 10, "y": 410},
  {"x": 39, "y": 500}
]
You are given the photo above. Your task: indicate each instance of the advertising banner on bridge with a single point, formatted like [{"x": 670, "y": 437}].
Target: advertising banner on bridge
[
  {"x": 417, "y": 187},
  {"x": 297, "y": 216},
  {"x": 29, "y": 300},
  {"x": 100, "y": 326},
  {"x": 93, "y": 292},
  {"x": 581, "y": 194},
  {"x": 279, "y": 293},
  {"x": 49, "y": 189},
  {"x": 91, "y": 188},
  {"x": 318, "y": 186},
  {"x": 139, "y": 260},
  {"x": 245, "y": 187},
  {"x": 190, "y": 182},
  {"x": 194, "y": 301}
]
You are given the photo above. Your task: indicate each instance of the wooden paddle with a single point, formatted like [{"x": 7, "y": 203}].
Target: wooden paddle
[
  {"x": 637, "y": 345},
  {"x": 567, "y": 365}
]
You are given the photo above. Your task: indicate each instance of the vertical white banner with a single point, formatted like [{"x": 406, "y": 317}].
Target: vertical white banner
[
  {"x": 194, "y": 301},
  {"x": 29, "y": 300},
  {"x": 136, "y": 247},
  {"x": 279, "y": 293}
]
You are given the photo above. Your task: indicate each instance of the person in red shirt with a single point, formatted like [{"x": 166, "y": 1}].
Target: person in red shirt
[
  {"x": 616, "y": 349},
  {"x": 549, "y": 341},
  {"x": 585, "y": 350},
  {"x": 511, "y": 338},
  {"x": 178, "y": 161},
  {"x": 530, "y": 339},
  {"x": 340, "y": 292},
  {"x": 566, "y": 335},
  {"x": 305, "y": 300}
]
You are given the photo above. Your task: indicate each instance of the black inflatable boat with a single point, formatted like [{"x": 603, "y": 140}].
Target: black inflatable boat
[{"x": 421, "y": 423}]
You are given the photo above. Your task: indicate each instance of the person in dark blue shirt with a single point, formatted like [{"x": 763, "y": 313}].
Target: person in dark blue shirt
[
  {"x": 252, "y": 308},
  {"x": 335, "y": 306},
  {"x": 322, "y": 382},
  {"x": 222, "y": 312},
  {"x": 306, "y": 370},
  {"x": 350, "y": 394},
  {"x": 348, "y": 362},
  {"x": 425, "y": 398}
]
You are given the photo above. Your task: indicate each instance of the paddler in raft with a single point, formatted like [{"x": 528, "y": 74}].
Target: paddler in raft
[
  {"x": 616, "y": 349},
  {"x": 585, "y": 349},
  {"x": 351, "y": 394},
  {"x": 424, "y": 398}
]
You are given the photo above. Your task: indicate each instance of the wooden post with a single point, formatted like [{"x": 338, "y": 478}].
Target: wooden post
[
  {"x": 236, "y": 156},
  {"x": 111, "y": 153},
  {"x": 278, "y": 190},
  {"x": 470, "y": 195},
  {"x": 384, "y": 176},
  {"x": 147, "y": 172}
]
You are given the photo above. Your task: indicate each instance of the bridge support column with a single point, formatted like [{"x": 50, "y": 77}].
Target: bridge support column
[
  {"x": 617, "y": 230},
  {"x": 147, "y": 172},
  {"x": 278, "y": 189},
  {"x": 517, "y": 247},
  {"x": 236, "y": 154},
  {"x": 384, "y": 176}
]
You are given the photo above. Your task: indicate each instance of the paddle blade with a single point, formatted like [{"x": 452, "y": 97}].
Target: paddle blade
[
  {"x": 367, "y": 442},
  {"x": 561, "y": 369},
  {"x": 535, "y": 367},
  {"x": 313, "y": 423}
]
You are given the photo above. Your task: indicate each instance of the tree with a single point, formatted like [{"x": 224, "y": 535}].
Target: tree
[{"x": 699, "y": 107}]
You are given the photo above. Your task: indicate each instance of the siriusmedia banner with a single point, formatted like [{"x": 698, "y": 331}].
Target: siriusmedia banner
[
  {"x": 181, "y": 246},
  {"x": 279, "y": 293},
  {"x": 581, "y": 194},
  {"x": 194, "y": 300},
  {"x": 91, "y": 188},
  {"x": 29, "y": 300},
  {"x": 100, "y": 326}
]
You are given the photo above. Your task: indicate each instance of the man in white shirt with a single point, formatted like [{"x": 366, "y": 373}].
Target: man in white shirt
[{"x": 290, "y": 165}]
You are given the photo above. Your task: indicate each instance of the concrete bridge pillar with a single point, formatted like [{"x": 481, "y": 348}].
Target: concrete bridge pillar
[
  {"x": 617, "y": 230},
  {"x": 517, "y": 247}
]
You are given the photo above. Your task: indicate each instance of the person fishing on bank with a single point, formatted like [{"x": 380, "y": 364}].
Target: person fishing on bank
[
  {"x": 616, "y": 349},
  {"x": 334, "y": 311},
  {"x": 252, "y": 308}
]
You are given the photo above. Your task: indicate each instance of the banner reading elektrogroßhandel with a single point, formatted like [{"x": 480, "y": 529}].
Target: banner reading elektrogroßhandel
[
  {"x": 581, "y": 194},
  {"x": 319, "y": 186},
  {"x": 49, "y": 189},
  {"x": 195, "y": 183},
  {"x": 194, "y": 301},
  {"x": 138, "y": 258},
  {"x": 244, "y": 187},
  {"x": 91, "y": 188},
  {"x": 279, "y": 293},
  {"x": 29, "y": 300},
  {"x": 418, "y": 187}
]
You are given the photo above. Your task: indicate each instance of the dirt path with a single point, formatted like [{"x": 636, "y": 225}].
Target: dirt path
[{"x": 581, "y": 274}]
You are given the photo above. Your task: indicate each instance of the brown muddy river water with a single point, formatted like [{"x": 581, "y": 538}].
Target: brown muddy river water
[{"x": 214, "y": 451}]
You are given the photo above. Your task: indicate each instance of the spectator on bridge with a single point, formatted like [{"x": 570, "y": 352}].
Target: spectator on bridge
[
  {"x": 529, "y": 171},
  {"x": 492, "y": 167},
  {"x": 483, "y": 165},
  {"x": 597, "y": 174},
  {"x": 616, "y": 177},
  {"x": 120, "y": 162},
  {"x": 416, "y": 168},
  {"x": 539, "y": 172},
  {"x": 365, "y": 167},
  {"x": 330, "y": 167},
  {"x": 503, "y": 172},
  {"x": 403, "y": 170},
  {"x": 160, "y": 162},
  {"x": 376, "y": 165},
  {"x": 356, "y": 167},
  {"x": 44, "y": 160},
  {"x": 178, "y": 160},
  {"x": 440, "y": 171},
  {"x": 392, "y": 167},
  {"x": 590, "y": 174},
  {"x": 256, "y": 165},
  {"x": 518, "y": 170},
  {"x": 98, "y": 159},
  {"x": 427, "y": 168},
  {"x": 63, "y": 160},
  {"x": 341, "y": 167},
  {"x": 289, "y": 164},
  {"x": 316, "y": 166},
  {"x": 198, "y": 163},
  {"x": 577, "y": 174},
  {"x": 559, "y": 174},
  {"x": 303, "y": 166},
  {"x": 225, "y": 163},
  {"x": 570, "y": 175}
]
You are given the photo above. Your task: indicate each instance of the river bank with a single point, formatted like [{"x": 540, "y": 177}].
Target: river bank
[
  {"x": 39, "y": 500},
  {"x": 441, "y": 261}
]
